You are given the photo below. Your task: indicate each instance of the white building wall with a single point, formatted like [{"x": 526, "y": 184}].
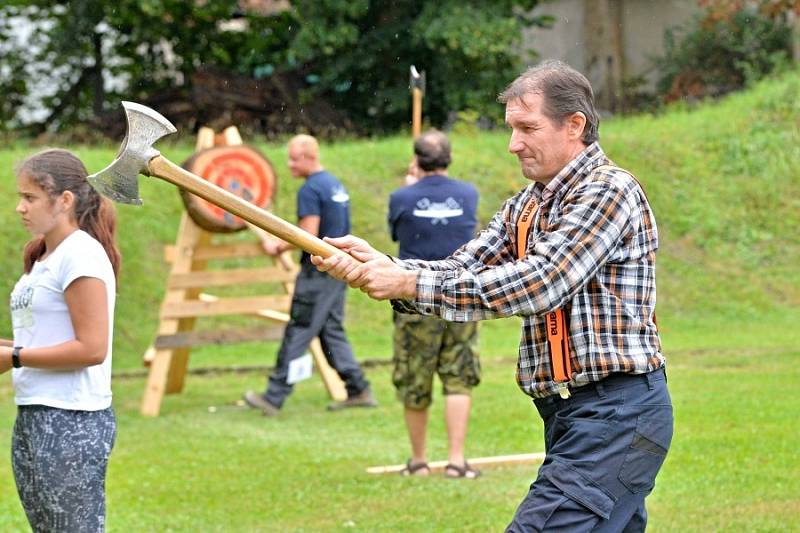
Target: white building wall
[
  {"x": 565, "y": 40},
  {"x": 641, "y": 25},
  {"x": 644, "y": 24}
]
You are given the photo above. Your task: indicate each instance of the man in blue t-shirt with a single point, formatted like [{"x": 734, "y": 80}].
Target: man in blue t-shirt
[
  {"x": 431, "y": 219},
  {"x": 323, "y": 210}
]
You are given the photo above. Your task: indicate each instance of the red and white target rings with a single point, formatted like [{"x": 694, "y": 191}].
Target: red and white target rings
[{"x": 241, "y": 170}]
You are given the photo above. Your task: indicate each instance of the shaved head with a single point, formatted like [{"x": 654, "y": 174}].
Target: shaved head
[
  {"x": 306, "y": 144},
  {"x": 303, "y": 156}
]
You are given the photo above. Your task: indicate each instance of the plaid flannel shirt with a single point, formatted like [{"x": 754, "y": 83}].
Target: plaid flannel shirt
[{"x": 591, "y": 251}]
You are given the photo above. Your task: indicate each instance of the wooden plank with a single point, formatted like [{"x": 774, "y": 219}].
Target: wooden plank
[
  {"x": 270, "y": 314},
  {"x": 193, "y": 236},
  {"x": 205, "y": 139},
  {"x": 222, "y": 278},
  {"x": 330, "y": 378},
  {"x": 168, "y": 367},
  {"x": 285, "y": 261},
  {"x": 439, "y": 466},
  {"x": 225, "y": 336},
  {"x": 149, "y": 355},
  {"x": 231, "y": 136},
  {"x": 223, "y": 306},
  {"x": 219, "y": 251}
]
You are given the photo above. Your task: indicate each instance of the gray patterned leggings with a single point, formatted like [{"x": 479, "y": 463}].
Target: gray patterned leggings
[{"x": 59, "y": 459}]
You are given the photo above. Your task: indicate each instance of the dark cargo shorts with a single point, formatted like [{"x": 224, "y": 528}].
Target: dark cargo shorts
[{"x": 425, "y": 345}]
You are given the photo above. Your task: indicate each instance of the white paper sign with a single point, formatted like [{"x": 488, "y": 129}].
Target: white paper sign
[{"x": 299, "y": 369}]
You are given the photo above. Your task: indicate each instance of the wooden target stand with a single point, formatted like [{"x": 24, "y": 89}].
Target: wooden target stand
[{"x": 185, "y": 300}]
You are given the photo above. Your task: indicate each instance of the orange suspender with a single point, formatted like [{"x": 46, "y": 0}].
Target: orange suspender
[
  {"x": 557, "y": 338},
  {"x": 524, "y": 227}
]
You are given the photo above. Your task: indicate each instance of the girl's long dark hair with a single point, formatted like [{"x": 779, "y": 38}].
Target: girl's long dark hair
[{"x": 56, "y": 171}]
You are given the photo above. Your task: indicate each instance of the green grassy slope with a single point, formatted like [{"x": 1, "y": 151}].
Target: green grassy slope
[{"x": 723, "y": 180}]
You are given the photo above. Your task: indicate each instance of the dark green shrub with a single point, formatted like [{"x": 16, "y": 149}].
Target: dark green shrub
[{"x": 713, "y": 56}]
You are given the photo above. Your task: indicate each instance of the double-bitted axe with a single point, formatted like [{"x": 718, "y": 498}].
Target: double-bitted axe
[{"x": 120, "y": 180}]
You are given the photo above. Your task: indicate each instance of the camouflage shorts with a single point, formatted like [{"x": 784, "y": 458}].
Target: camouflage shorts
[{"x": 425, "y": 345}]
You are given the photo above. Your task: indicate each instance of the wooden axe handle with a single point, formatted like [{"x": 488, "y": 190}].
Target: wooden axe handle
[
  {"x": 416, "y": 112},
  {"x": 165, "y": 169}
]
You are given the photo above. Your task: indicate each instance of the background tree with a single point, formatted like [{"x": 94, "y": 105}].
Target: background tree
[
  {"x": 84, "y": 55},
  {"x": 318, "y": 63},
  {"x": 358, "y": 54}
]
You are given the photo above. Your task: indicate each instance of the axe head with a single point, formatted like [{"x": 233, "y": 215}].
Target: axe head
[
  {"x": 416, "y": 80},
  {"x": 119, "y": 181}
]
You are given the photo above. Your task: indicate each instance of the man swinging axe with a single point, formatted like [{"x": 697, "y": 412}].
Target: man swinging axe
[{"x": 573, "y": 254}]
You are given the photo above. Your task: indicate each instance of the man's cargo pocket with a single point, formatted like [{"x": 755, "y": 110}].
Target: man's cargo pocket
[
  {"x": 648, "y": 449},
  {"x": 579, "y": 488},
  {"x": 302, "y": 310}
]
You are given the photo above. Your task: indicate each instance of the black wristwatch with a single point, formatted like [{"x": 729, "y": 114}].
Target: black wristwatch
[{"x": 15, "y": 357}]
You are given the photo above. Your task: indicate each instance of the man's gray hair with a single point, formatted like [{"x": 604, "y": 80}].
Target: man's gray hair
[
  {"x": 432, "y": 150},
  {"x": 565, "y": 91}
]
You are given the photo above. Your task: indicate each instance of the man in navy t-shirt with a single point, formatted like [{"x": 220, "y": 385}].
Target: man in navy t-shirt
[
  {"x": 431, "y": 219},
  {"x": 323, "y": 210}
]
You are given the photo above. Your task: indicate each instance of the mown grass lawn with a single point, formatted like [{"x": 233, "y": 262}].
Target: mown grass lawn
[{"x": 209, "y": 464}]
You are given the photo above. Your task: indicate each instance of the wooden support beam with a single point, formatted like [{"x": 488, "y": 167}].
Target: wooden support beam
[
  {"x": 223, "y": 278},
  {"x": 205, "y": 139},
  {"x": 224, "y": 336},
  {"x": 223, "y": 306},
  {"x": 168, "y": 367},
  {"x": 231, "y": 136},
  {"x": 282, "y": 318},
  {"x": 333, "y": 383},
  {"x": 207, "y": 252},
  {"x": 439, "y": 466}
]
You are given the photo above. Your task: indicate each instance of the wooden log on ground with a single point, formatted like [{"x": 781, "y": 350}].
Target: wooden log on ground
[{"x": 439, "y": 466}]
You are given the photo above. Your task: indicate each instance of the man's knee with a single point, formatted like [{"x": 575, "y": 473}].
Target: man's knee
[
  {"x": 413, "y": 400},
  {"x": 549, "y": 508}
]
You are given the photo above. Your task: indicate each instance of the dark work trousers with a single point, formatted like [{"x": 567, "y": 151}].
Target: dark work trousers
[
  {"x": 317, "y": 311},
  {"x": 59, "y": 458},
  {"x": 604, "y": 446}
]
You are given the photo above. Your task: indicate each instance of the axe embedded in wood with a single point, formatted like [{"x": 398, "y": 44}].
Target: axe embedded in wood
[{"x": 120, "y": 180}]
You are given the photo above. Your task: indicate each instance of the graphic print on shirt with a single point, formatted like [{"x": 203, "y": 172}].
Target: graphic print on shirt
[
  {"x": 22, "y": 307},
  {"x": 340, "y": 195},
  {"x": 438, "y": 212}
]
